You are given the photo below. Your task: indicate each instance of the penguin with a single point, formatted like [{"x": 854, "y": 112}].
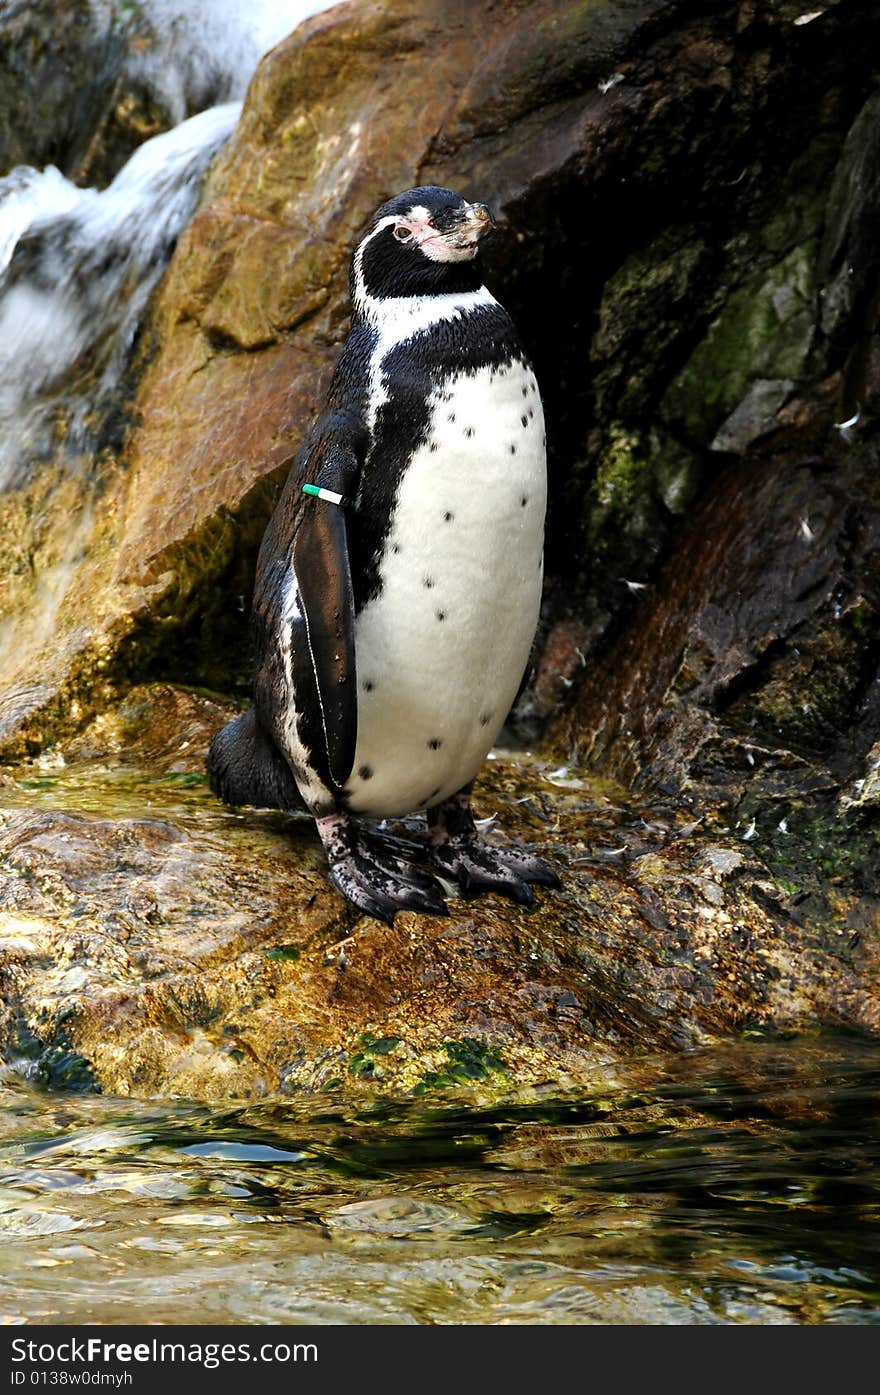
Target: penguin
[{"x": 399, "y": 579}]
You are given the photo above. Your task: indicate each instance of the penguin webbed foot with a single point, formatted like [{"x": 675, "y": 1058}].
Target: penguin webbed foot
[
  {"x": 477, "y": 866},
  {"x": 374, "y": 876},
  {"x": 458, "y": 852}
]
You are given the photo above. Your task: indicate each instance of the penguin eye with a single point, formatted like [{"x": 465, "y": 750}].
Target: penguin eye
[{"x": 402, "y": 233}]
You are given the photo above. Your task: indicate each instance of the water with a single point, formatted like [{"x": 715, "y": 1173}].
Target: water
[
  {"x": 72, "y": 298},
  {"x": 206, "y": 50},
  {"x": 78, "y": 265},
  {"x": 733, "y": 1185}
]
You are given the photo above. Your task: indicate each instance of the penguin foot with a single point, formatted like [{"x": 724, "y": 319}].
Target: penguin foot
[
  {"x": 373, "y": 876},
  {"x": 478, "y": 867},
  {"x": 458, "y": 851}
]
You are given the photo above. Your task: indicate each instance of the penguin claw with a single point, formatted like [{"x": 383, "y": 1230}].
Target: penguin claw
[
  {"x": 392, "y": 865},
  {"x": 474, "y": 880},
  {"x": 531, "y": 869},
  {"x": 379, "y": 890},
  {"x": 376, "y": 872},
  {"x": 372, "y": 903},
  {"x": 478, "y": 867}
]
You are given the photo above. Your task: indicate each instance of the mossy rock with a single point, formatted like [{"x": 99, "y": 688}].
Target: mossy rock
[{"x": 764, "y": 332}]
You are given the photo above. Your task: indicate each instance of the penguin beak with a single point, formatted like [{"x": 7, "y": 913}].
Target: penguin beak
[{"x": 477, "y": 221}]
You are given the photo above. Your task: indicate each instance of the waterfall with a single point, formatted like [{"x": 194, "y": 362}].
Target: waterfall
[
  {"x": 206, "y": 50},
  {"x": 78, "y": 265}
]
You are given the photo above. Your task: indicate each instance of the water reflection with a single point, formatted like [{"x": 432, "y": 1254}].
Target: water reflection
[{"x": 733, "y": 1185}]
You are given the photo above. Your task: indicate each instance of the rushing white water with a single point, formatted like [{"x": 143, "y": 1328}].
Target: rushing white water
[
  {"x": 77, "y": 266},
  {"x": 206, "y": 50}
]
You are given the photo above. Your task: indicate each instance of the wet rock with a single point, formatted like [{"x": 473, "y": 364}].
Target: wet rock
[
  {"x": 662, "y": 184},
  {"x": 154, "y": 942},
  {"x": 655, "y": 173},
  {"x": 78, "y": 89},
  {"x": 750, "y": 677},
  {"x": 160, "y": 726},
  {"x": 59, "y": 62}
]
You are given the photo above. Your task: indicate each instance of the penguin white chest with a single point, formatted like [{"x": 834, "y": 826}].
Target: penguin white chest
[{"x": 443, "y": 646}]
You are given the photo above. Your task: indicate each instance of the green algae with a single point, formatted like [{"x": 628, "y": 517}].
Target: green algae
[
  {"x": 363, "y": 1063},
  {"x": 58, "y": 1069},
  {"x": 285, "y": 953},
  {"x": 815, "y": 851},
  {"x": 468, "y": 1061},
  {"x": 764, "y": 332},
  {"x": 188, "y": 779},
  {"x": 643, "y": 478},
  {"x": 56, "y": 1066}
]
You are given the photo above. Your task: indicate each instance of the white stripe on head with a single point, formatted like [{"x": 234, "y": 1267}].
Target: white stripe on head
[
  {"x": 448, "y": 305},
  {"x": 361, "y": 299},
  {"x": 398, "y": 318}
]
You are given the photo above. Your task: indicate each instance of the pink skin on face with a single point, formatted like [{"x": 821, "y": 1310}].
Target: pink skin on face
[{"x": 436, "y": 245}]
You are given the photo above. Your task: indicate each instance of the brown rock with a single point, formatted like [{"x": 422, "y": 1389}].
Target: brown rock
[
  {"x": 153, "y": 942},
  {"x": 591, "y": 131},
  {"x": 156, "y": 942},
  {"x": 745, "y": 658}
]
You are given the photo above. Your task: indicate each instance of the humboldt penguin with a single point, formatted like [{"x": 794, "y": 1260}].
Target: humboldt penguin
[{"x": 399, "y": 579}]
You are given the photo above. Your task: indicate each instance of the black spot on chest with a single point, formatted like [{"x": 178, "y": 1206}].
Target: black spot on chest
[{"x": 411, "y": 375}]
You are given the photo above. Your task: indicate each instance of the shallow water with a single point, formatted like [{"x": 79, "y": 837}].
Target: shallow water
[{"x": 735, "y": 1185}]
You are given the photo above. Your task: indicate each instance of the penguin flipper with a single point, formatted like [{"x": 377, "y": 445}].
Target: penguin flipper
[
  {"x": 303, "y": 614},
  {"x": 323, "y": 573}
]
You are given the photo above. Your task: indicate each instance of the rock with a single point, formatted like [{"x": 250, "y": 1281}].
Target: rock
[
  {"x": 654, "y": 174},
  {"x": 165, "y": 727},
  {"x": 80, "y": 87},
  {"x": 755, "y": 416},
  {"x": 662, "y": 184},
  {"x": 749, "y": 681},
  {"x": 750, "y": 360},
  {"x": 561, "y": 658},
  {"x": 847, "y": 261},
  {"x": 862, "y": 798},
  {"x": 153, "y": 942},
  {"x": 745, "y": 656},
  {"x": 59, "y": 63}
]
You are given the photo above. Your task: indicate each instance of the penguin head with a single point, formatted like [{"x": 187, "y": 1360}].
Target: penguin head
[{"x": 424, "y": 241}]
